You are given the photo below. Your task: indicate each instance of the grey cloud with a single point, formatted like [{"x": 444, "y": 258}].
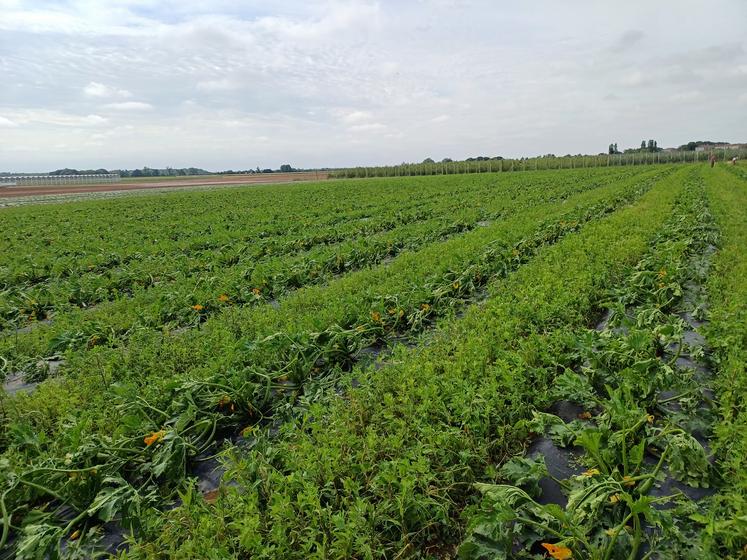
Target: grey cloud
[
  {"x": 628, "y": 39},
  {"x": 337, "y": 82}
]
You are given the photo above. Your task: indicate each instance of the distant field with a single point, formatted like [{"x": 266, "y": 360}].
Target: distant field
[
  {"x": 162, "y": 182},
  {"x": 492, "y": 365}
]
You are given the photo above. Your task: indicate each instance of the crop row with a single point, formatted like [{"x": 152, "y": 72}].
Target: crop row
[
  {"x": 150, "y": 357},
  {"x": 192, "y": 299},
  {"x": 179, "y": 271},
  {"x": 738, "y": 170},
  {"x": 72, "y": 243},
  {"x": 385, "y": 469},
  {"x": 39, "y": 291},
  {"x": 640, "y": 423},
  {"x": 185, "y": 417},
  {"x": 727, "y": 336}
]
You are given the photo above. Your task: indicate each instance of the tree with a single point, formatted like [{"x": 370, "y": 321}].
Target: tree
[
  {"x": 447, "y": 160},
  {"x": 286, "y": 168},
  {"x": 643, "y": 144},
  {"x": 428, "y": 160}
]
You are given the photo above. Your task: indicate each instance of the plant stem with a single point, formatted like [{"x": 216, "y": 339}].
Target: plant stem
[
  {"x": 616, "y": 532},
  {"x": 6, "y": 519},
  {"x": 636, "y": 538}
]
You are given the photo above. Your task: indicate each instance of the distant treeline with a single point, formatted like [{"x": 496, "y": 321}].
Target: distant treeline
[
  {"x": 68, "y": 171},
  {"x": 690, "y": 146},
  {"x": 170, "y": 171},
  {"x": 285, "y": 168},
  {"x": 144, "y": 172},
  {"x": 167, "y": 172}
]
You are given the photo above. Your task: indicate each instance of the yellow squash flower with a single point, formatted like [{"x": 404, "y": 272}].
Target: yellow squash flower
[
  {"x": 558, "y": 551},
  {"x": 154, "y": 437}
]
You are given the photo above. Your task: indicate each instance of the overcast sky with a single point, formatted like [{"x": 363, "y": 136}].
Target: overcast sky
[{"x": 221, "y": 84}]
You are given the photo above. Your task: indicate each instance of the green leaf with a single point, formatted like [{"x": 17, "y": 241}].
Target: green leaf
[
  {"x": 688, "y": 461},
  {"x": 574, "y": 387},
  {"x": 111, "y": 500},
  {"x": 525, "y": 473}
]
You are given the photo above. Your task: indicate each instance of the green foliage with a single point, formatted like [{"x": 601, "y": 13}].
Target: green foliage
[
  {"x": 610, "y": 511},
  {"x": 726, "y": 523},
  {"x": 371, "y": 463},
  {"x": 386, "y": 469}
]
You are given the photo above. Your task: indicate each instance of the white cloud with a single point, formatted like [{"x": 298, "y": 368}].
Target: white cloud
[
  {"x": 53, "y": 118},
  {"x": 7, "y": 122},
  {"x": 356, "y": 117},
  {"x": 96, "y": 89},
  {"x": 634, "y": 78},
  {"x": 368, "y": 127},
  {"x": 129, "y": 106},
  {"x": 217, "y": 85}
]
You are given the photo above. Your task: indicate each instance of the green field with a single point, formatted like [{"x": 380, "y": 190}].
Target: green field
[{"x": 370, "y": 367}]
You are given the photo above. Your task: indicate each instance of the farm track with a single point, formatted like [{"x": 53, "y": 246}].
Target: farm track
[
  {"x": 453, "y": 286},
  {"x": 391, "y": 461}
]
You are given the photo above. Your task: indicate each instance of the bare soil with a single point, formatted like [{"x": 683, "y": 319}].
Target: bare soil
[{"x": 254, "y": 179}]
